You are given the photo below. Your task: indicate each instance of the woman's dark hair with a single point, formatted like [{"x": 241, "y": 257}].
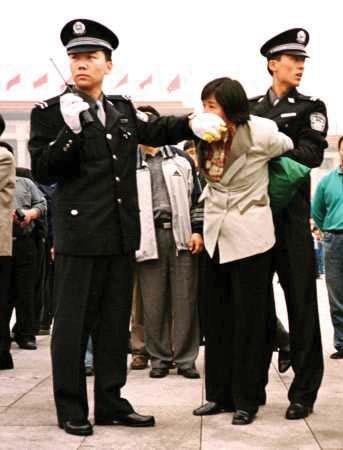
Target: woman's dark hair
[
  {"x": 149, "y": 109},
  {"x": 7, "y": 146},
  {"x": 2, "y": 125},
  {"x": 231, "y": 96},
  {"x": 340, "y": 140},
  {"x": 188, "y": 144}
]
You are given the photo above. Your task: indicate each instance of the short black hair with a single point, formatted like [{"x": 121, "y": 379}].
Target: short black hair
[
  {"x": 149, "y": 109},
  {"x": 2, "y": 125},
  {"x": 231, "y": 96},
  {"x": 7, "y": 146},
  {"x": 23, "y": 172},
  {"x": 108, "y": 54},
  {"x": 339, "y": 142},
  {"x": 188, "y": 144}
]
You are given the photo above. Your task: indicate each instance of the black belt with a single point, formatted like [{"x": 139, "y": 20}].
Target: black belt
[
  {"x": 163, "y": 223},
  {"x": 334, "y": 231}
]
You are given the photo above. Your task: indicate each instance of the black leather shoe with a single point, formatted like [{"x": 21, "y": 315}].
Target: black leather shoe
[
  {"x": 337, "y": 355},
  {"x": 6, "y": 361},
  {"x": 129, "y": 420},
  {"x": 243, "y": 417},
  {"x": 158, "y": 372},
  {"x": 298, "y": 411},
  {"x": 26, "y": 344},
  {"x": 284, "y": 361},
  {"x": 79, "y": 428},
  {"x": 211, "y": 408},
  {"x": 189, "y": 373}
]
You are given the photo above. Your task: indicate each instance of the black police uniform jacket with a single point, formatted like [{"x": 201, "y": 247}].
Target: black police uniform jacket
[
  {"x": 95, "y": 209},
  {"x": 304, "y": 120}
]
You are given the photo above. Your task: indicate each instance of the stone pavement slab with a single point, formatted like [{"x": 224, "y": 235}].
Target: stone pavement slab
[{"x": 28, "y": 421}]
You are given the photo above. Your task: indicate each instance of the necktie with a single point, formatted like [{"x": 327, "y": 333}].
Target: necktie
[{"x": 101, "y": 112}]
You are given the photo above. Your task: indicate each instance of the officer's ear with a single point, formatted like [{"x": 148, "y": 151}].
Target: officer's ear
[
  {"x": 109, "y": 66},
  {"x": 272, "y": 65}
]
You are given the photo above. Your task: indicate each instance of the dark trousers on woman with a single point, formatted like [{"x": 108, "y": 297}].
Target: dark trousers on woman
[
  {"x": 235, "y": 328},
  {"x": 93, "y": 296}
]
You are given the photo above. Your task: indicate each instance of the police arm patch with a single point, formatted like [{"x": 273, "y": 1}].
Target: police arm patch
[{"x": 318, "y": 121}]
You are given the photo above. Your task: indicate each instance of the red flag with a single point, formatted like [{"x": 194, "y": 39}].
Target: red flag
[
  {"x": 145, "y": 82},
  {"x": 124, "y": 80},
  {"x": 13, "y": 81},
  {"x": 174, "y": 84},
  {"x": 40, "y": 81}
]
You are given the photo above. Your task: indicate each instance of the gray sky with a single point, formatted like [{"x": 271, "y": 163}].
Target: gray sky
[{"x": 198, "y": 39}]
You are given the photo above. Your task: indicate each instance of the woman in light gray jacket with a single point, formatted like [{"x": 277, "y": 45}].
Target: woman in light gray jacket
[{"x": 238, "y": 237}]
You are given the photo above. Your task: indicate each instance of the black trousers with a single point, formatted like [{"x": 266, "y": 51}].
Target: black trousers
[
  {"x": 23, "y": 277},
  {"x": 235, "y": 326},
  {"x": 41, "y": 274},
  {"x": 5, "y": 276},
  {"x": 93, "y": 296},
  {"x": 48, "y": 305},
  {"x": 294, "y": 262}
]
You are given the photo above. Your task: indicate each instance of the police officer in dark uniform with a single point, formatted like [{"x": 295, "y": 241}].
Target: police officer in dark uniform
[
  {"x": 96, "y": 224},
  {"x": 304, "y": 119}
]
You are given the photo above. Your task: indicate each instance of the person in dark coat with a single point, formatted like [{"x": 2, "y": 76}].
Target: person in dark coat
[
  {"x": 87, "y": 142},
  {"x": 303, "y": 118}
]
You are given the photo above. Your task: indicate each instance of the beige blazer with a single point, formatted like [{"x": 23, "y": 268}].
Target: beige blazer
[
  {"x": 7, "y": 187},
  {"x": 237, "y": 214}
]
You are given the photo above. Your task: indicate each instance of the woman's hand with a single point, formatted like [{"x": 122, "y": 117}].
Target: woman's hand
[{"x": 196, "y": 244}]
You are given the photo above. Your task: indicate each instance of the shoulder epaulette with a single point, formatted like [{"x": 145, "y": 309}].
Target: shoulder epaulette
[
  {"x": 308, "y": 98},
  {"x": 47, "y": 103},
  {"x": 119, "y": 98},
  {"x": 256, "y": 99}
]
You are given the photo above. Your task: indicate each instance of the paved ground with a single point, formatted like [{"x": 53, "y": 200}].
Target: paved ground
[{"x": 27, "y": 415}]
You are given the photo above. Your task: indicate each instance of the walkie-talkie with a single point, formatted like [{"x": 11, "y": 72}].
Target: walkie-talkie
[{"x": 86, "y": 116}]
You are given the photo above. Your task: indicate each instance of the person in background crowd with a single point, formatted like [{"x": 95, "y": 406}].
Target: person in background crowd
[
  {"x": 87, "y": 142},
  {"x": 318, "y": 250},
  {"x": 327, "y": 212},
  {"x": 46, "y": 312},
  {"x": 7, "y": 188},
  {"x": 190, "y": 148},
  {"x": 238, "y": 236},
  {"x": 140, "y": 356},
  {"x": 304, "y": 119},
  {"x": 39, "y": 234},
  {"x": 30, "y": 205},
  {"x": 171, "y": 227}
]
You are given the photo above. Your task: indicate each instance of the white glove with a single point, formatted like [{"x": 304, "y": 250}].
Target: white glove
[
  {"x": 208, "y": 126},
  {"x": 71, "y": 106}
]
